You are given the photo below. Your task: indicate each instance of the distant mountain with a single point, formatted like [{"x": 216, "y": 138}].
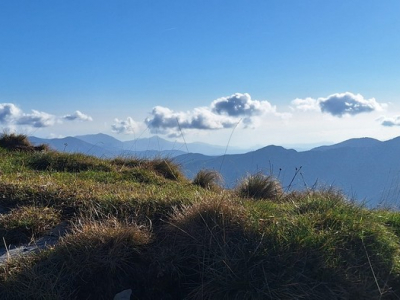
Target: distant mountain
[
  {"x": 102, "y": 140},
  {"x": 101, "y": 146},
  {"x": 352, "y": 143},
  {"x": 71, "y": 145},
  {"x": 155, "y": 143},
  {"x": 365, "y": 169}
]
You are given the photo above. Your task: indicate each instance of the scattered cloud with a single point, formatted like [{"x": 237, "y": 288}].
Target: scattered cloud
[
  {"x": 225, "y": 112},
  {"x": 348, "y": 103},
  {"x": 241, "y": 105},
  {"x": 12, "y": 115},
  {"x": 164, "y": 119},
  {"x": 129, "y": 126},
  {"x": 37, "y": 119},
  {"x": 9, "y": 113},
  {"x": 77, "y": 116},
  {"x": 339, "y": 104},
  {"x": 308, "y": 104},
  {"x": 389, "y": 122}
]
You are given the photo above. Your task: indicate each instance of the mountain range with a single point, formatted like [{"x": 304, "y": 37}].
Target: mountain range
[
  {"x": 365, "y": 169},
  {"x": 102, "y": 145}
]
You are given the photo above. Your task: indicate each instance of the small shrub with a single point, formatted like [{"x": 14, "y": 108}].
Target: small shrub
[
  {"x": 260, "y": 186},
  {"x": 208, "y": 179}
]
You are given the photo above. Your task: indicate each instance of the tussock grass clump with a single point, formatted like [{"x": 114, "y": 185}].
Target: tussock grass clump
[
  {"x": 19, "y": 142},
  {"x": 208, "y": 179},
  {"x": 326, "y": 246},
  {"x": 26, "y": 223},
  {"x": 95, "y": 261},
  {"x": 166, "y": 167},
  {"x": 65, "y": 162},
  {"x": 130, "y": 162},
  {"x": 259, "y": 186},
  {"x": 206, "y": 251}
]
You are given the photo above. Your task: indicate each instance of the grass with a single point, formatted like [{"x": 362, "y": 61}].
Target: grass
[
  {"x": 208, "y": 179},
  {"x": 139, "y": 224},
  {"x": 260, "y": 186},
  {"x": 19, "y": 142},
  {"x": 24, "y": 223}
]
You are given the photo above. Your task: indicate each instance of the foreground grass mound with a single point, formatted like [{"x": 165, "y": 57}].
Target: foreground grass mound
[
  {"x": 140, "y": 225},
  {"x": 19, "y": 142}
]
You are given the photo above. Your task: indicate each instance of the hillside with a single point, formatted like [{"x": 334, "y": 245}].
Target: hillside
[
  {"x": 364, "y": 169},
  {"x": 141, "y": 225}
]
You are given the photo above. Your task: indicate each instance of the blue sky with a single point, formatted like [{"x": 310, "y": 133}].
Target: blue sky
[{"x": 272, "y": 72}]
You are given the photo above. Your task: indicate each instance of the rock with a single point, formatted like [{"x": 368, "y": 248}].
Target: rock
[{"x": 124, "y": 295}]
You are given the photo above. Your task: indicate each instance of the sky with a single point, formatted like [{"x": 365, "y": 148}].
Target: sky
[{"x": 241, "y": 73}]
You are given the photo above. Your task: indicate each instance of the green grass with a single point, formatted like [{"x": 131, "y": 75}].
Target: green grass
[
  {"x": 260, "y": 186},
  {"x": 208, "y": 179},
  {"x": 140, "y": 224}
]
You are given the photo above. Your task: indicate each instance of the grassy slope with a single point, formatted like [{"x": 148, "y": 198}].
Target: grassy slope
[{"x": 141, "y": 225}]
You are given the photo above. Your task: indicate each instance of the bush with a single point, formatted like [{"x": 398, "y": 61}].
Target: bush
[
  {"x": 260, "y": 186},
  {"x": 208, "y": 179}
]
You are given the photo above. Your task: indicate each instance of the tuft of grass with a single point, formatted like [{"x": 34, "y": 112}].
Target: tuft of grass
[
  {"x": 208, "y": 179},
  {"x": 95, "y": 261},
  {"x": 65, "y": 162},
  {"x": 19, "y": 142},
  {"x": 259, "y": 186},
  {"x": 25, "y": 223},
  {"x": 205, "y": 250},
  {"x": 166, "y": 167}
]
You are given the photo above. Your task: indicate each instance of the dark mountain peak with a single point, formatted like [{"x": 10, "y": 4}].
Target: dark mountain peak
[
  {"x": 364, "y": 142},
  {"x": 274, "y": 148},
  {"x": 99, "y": 138}
]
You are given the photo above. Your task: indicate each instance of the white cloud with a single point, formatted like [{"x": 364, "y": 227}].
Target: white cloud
[
  {"x": 225, "y": 112},
  {"x": 77, "y": 116},
  {"x": 348, "y": 103},
  {"x": 129, "y": 126},
  {"x": 308, "y": 104},
  {"x": 37, "y": 119},
  {"x": 389, "y": 122},
  {"x": 165, "y": 119},
  {"x": 9, "y": 113},
  {"x": 339, "y": 104},
  {"x": 241, "y": 105}
]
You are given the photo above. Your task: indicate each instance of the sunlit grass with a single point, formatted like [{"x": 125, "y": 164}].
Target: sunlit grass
[{"x": 140, "y": 224}]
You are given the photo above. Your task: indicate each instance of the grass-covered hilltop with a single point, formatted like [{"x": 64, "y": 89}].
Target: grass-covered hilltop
[{"x": 138, "y": 224}]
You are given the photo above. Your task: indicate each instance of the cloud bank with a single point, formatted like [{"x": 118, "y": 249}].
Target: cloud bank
[
  {"x": 225, "y": 112},
  {"x": 11, "y": 115},
  {"x": 339, "y": 104}
]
